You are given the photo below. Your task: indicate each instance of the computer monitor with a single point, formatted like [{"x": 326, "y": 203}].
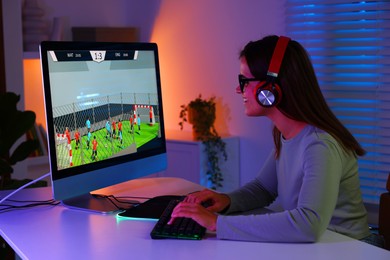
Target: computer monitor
[{"x": 104, "y": 115}]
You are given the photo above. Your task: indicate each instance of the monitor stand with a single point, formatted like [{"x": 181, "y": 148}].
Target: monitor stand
[{"x": 98, "y": 203}]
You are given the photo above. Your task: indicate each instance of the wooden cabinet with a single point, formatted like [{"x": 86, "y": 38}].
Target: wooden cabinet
[{"x": 186, "y": 159}]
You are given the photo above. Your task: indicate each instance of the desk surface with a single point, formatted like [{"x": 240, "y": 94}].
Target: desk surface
[{"x": 56, "y": 232}]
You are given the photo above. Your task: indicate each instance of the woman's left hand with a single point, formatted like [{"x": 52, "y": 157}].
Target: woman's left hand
[{"x": 197, "y": 212}]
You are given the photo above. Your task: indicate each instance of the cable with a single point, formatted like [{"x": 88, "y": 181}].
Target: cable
[
  {"x": 121, "y": 197},
  {"x": 7, "y": 207},
  {"x": 32, "y": 201},
  {"x": 24, "y": 186},
  {"x": 53, "y": 202},
  {"x": 110, "y": 198}
]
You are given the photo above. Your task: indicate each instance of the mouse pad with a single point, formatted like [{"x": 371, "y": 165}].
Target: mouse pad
[{"x": 151, "y": 209}]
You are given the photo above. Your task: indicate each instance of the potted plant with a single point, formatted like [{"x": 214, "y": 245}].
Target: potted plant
[
  {"x": 13, "y": 125},
  {"x": 201, "y": 113}
]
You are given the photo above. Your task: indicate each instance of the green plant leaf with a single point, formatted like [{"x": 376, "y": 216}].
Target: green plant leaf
[
  {"x": 203, "y": 127},
  {"x": 14, "y": 128},
  {"x": 23, "y": 151},
  {"x": 5, "y": 167},
  {"x": 8, "y": 102}
]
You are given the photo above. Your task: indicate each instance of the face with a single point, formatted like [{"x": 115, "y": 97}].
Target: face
[{"x": 252, "y": 108}]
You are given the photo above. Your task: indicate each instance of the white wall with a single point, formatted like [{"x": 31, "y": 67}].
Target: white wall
[
  {"x": 199, "y": 42},
  {"x": 13, "y": 48}
]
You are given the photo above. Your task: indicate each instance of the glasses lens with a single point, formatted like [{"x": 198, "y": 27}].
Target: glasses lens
[{"x": 242, "y": 81}]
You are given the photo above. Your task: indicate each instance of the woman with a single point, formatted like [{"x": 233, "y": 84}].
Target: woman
[{"x": 312, "y": 170}]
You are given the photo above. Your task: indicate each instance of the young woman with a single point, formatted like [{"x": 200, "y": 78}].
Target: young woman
[{"x": 312, "y": 170}]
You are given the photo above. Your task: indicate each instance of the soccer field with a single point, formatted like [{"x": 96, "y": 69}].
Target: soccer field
[{"x": 107, "y": 146}]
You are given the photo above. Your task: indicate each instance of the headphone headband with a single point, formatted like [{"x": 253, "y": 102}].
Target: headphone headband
[
  {"x": 277, "y": 56},
  {"x": 270, "y": 94}
]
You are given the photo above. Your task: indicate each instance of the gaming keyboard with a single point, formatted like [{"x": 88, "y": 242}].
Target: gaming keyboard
[{"x": 181, "y": 228}]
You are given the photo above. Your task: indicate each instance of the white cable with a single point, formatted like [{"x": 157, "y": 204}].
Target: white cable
[{"x": 24, "y": 186}]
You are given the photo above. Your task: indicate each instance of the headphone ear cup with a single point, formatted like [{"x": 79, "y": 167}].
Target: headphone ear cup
[{"x": 268, "y": 94}]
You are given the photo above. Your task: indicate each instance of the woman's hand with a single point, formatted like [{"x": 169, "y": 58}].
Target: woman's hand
[
  {"x": 213, "y": 201},
  {"x": 197, "y": 212},
  {"x": 201, "y": 207}
]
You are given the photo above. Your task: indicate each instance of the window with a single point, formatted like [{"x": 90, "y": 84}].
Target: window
[{"x": 349, "y": 43}]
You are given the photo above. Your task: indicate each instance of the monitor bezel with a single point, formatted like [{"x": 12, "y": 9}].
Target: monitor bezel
[{"x": 66, "y": 181}]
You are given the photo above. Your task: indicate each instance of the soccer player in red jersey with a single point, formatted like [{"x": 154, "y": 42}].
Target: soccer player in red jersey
[{"x": 94, "y": 148}]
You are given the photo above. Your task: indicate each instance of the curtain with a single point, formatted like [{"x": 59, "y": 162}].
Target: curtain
[{"x": 349, "y": 44}]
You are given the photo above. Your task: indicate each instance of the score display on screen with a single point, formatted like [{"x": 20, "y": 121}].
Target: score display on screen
[{"x": 97, "y": 56}]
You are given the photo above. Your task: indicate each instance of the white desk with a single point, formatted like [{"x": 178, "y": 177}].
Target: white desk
[{"x": 48, "y": 232}]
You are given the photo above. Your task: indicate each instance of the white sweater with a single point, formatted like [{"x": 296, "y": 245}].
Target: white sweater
[{"x": 317, "y": 185}]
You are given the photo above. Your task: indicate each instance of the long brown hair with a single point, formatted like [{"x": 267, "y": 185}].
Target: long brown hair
[{"x": 302, "y": 99}]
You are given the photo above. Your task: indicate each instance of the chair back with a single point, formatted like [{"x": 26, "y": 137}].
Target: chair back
[{"x": 384, "y": 214}]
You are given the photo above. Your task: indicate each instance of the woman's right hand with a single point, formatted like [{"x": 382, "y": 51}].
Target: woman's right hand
[{"x": 213, "y": 201}]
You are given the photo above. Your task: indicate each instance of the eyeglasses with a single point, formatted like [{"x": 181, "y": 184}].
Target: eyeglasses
[{"x": 242, "y": 80}]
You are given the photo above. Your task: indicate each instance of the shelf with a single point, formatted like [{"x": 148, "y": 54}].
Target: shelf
[{"x": 186, "y": 159}]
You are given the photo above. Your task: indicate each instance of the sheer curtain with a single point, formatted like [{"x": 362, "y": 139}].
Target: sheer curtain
[{"x": 349, "y": 43}]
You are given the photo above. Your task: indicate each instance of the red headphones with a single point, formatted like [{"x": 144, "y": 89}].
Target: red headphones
[{"x": 269, "y": 94}]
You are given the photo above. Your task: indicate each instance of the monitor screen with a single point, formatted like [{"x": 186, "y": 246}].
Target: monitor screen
[{"x": 104, "y": 117}]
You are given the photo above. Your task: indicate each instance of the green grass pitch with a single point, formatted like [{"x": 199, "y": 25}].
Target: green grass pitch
[{"x": 107, "y": 146}]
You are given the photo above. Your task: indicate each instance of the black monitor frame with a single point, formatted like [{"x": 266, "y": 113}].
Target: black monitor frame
[{"x": 73, "y": 184}]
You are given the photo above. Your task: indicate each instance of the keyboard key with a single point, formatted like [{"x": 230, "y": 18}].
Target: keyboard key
[{"x": 181, "y": 228}]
